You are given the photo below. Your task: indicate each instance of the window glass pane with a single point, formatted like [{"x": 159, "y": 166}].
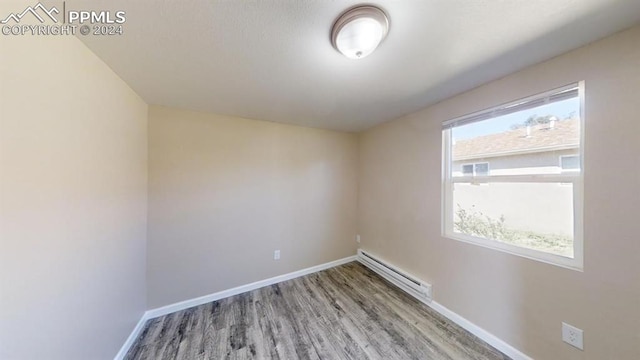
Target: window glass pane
[
  {"x": 570, "y": 162},
  {"x": 467, "y": 170},
  {"x": 528, "y": 142},
  {"x": 538, "y": 216},
  {"x": 482, "y": 169}
]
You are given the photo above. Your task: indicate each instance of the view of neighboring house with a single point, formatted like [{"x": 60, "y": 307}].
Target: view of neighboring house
[
  {"x": 549, "y": 148},
  {"x": 535, "y": 209}
]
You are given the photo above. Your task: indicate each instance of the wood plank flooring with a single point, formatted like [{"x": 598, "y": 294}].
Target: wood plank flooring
[{"x": 347, "y": 312}]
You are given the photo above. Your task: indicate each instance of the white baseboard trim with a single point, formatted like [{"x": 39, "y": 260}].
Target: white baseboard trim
[
  {"x": 483, "y": 334},
  {"x": 132, "y": 337},
  {"x": 153, "y": 313},
  {"x": 164, "y": 310},
  {"x": 486, "y": 336}
]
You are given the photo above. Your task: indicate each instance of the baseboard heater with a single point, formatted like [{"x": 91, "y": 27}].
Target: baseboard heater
[{"x": 398, "y": 277}]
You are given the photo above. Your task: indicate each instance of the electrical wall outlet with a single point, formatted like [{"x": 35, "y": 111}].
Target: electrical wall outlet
[
  {"x": 572, "y": 336},
  {"x": 358, "y": 238},
  {"x": 276, "y": 255}
]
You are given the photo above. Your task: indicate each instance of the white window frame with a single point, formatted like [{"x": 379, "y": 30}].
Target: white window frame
[{"x": 576, "y": 178}]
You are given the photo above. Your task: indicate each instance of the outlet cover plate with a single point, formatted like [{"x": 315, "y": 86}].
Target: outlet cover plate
[{"x": 572, "y": 336}]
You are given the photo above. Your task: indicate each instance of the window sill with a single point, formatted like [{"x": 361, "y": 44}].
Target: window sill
[{"x": 575, "y": 263}]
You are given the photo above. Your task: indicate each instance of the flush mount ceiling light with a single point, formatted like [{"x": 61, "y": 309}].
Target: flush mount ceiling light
[{"x": 359, "y": 30}]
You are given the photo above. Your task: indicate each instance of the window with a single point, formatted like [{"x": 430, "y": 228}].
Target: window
[
  {"x": 570, "y": 163},
  {"x": 520, "y": 209},
  {"x": 480, "y": 169}
]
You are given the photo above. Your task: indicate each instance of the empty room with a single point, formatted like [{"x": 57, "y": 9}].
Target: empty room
[{"x": 312, "y": 179}]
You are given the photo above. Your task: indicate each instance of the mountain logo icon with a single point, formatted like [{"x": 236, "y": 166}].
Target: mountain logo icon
[{"x": 34, "y": 11}]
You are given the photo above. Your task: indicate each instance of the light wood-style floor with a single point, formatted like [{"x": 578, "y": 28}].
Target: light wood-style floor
[{"x": 347, "y": 312}]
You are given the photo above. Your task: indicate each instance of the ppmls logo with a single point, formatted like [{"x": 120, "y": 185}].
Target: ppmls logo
[
  {"x": 34, "y": 12},
  {"x": 53, "y": 22}
]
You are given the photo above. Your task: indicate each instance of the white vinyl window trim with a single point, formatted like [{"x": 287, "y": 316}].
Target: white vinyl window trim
[{"x": 574, "y": 178}]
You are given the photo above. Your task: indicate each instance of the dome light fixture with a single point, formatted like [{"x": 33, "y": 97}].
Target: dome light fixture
[{"x": 358, "y": 31}]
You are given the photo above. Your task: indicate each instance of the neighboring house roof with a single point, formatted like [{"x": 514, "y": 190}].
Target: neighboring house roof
[{"x": 564, "y": 135}]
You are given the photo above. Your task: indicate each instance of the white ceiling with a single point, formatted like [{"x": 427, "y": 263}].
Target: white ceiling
[{"x": 273, "y": 60}]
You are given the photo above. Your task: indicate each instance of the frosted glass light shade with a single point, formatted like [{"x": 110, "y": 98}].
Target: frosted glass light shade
[{"x": 359, "y": 31}]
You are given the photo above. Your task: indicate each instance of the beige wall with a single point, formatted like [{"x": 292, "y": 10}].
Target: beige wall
[
  {"x": 520, "y": 300},
  {"x": 73, "y": 154},
  {"x": 225, "y": 192}
]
